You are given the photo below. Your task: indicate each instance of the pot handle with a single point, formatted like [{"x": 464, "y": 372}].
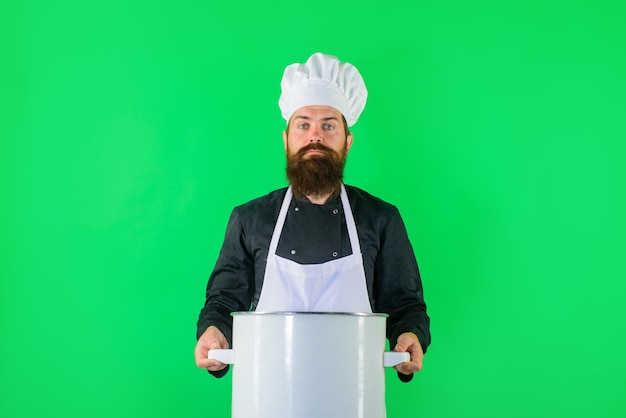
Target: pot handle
[
  {"x": 225, "y": 356},
  {"x": 392, "y": 358}
]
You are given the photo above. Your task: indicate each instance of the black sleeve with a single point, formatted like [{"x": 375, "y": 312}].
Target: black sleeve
[
  {"x": 399, "y": 285},
  {"x": 230, "y": 285}
]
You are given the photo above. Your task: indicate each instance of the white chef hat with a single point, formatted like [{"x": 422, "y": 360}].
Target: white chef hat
[{"x": 323, "y": 80}]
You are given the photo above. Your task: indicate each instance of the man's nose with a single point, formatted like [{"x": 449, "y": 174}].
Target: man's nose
[{"x": 315, "y": 135}]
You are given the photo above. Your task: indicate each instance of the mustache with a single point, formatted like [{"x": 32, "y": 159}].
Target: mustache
[{"x": 314, "y": 146}]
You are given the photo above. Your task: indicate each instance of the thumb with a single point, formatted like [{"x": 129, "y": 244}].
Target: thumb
[{"x": 400, "y": 347}]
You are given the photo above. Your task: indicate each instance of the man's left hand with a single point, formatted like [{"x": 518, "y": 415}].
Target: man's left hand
[{"x": 408, "y": 342}]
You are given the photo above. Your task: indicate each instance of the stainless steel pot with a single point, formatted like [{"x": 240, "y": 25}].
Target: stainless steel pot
[{"x": 308, "y": 365}]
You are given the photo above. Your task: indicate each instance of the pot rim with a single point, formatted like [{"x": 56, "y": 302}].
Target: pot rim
[{"x": 294, "y": 313}]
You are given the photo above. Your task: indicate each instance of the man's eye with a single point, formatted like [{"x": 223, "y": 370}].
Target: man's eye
[
  {"x": 329, "y": 127},
  {"x": 303, "y": 126}
]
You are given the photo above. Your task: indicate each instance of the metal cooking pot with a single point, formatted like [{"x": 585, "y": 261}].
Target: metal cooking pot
[{"x": 308, "y": 365}]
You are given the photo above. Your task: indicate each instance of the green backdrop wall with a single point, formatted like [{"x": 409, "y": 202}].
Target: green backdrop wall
[{"x": 129, "y": 130}]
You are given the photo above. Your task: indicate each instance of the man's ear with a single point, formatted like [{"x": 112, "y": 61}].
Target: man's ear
[
  {"x": 349, "y": 140},
  {"x": 285, "y": 139}
]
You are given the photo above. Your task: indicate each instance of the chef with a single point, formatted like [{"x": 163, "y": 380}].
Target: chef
[{"x": 318, "y": 245}]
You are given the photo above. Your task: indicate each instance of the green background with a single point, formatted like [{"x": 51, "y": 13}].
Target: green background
[{"x": 129, "y": 130}]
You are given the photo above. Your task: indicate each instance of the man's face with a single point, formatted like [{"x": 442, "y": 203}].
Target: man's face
[
  {"x": 316, "y": 145},
  {"x": 321, "y": 125}
]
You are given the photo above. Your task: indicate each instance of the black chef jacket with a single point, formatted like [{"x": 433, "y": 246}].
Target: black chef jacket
[{"x": 315, "y": 234}]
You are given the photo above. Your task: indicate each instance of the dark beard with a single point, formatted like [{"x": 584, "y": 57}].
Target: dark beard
[{"x": 317, "y": 175}]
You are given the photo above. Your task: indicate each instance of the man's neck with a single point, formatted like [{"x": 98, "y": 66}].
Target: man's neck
[{"x": 319, "y": 199}]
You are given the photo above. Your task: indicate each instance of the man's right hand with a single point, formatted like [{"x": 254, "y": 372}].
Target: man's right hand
[{"x": 211, "y": 339}]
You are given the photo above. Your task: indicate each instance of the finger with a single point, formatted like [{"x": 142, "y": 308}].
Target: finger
[
  {"x": 215, "y": 343},
  {"x": 415, "y": 366},
  {"x": 215, "y": 366},
  {"x": 409, "y": 367},
  {"x": 400, "y": 348},
  {"x": 203, "y": 363},
  {"x": 402, "y": 368},
  {"x": 201, "y": 354},
  {"x": 202, "y": 357},
  {"x": 417, "y": 360},
  {"x": 214, "y": 335}
]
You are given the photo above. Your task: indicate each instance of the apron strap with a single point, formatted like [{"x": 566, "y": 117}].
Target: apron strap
[{"x": 352, "y": 233}]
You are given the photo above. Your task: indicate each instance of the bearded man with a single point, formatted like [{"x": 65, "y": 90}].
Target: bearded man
[{"x": 317, "y": 245}]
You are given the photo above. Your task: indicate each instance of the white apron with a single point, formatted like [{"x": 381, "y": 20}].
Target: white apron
[{"x": 334, "y": 286}]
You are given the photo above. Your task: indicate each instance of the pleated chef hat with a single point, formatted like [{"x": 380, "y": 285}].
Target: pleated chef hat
[{"x": 323, "y": 80}]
